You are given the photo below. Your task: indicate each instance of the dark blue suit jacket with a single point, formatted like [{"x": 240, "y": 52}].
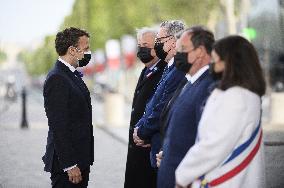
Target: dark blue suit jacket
[
  {"x": 149, "y": 126},
  {"x": 68, "y": 108},
  {"x": 183, "y": 120}
]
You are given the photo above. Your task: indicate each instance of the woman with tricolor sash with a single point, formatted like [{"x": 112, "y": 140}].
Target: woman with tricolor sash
[{"x": 229, "y": 151}]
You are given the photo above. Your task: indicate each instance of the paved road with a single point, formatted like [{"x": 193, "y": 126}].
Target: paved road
[
  {"x": 21, "y": 150},
  {"x": 21, "y": 165}
]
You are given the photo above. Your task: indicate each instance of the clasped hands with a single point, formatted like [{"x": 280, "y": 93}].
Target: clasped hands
[{"x": 138, "y": 141}]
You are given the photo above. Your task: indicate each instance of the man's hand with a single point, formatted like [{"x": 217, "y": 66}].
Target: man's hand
[
  {"x": 137, "y": 140},
  {"x": 75, "y": 175},
  {"x": 159, "y": 158}
]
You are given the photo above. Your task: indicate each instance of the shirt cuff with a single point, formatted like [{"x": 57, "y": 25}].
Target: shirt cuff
[{"x": 69, "y": 168}]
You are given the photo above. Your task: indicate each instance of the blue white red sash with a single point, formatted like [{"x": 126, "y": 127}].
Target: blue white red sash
[{"x": 242, "y": 165}]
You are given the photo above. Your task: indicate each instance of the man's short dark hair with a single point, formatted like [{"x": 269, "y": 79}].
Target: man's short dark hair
[
  {"x": 201, "y": 36},
  {"x": 68, "y": 37}
]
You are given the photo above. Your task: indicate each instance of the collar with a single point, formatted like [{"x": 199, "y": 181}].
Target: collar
[
  {"x": 72, "y": 69},
  {"x": 171, "y": 62},
  {"x": 188, "y": 77},
  {"x": 198, "y": 73},
  {"x": 153, "y": 66}
]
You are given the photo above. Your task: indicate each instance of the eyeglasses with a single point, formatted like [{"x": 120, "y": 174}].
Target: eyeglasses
[
  {"x": 191, "y": 50},
  {"x": 159, "y": 40},
  {"x": 78, "y": 49},
  {"x": 188, "y": 52}
]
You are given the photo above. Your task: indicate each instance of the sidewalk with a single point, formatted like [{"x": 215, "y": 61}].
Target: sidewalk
[{"x": 21, "y": 150}]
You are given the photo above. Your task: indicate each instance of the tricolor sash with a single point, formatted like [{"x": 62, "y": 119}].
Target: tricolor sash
[{"x": 242, "y": 165}]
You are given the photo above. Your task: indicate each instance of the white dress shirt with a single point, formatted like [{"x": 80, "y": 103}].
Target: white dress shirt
[
  {"x": 67, "y": 64},
  {"x": 195, "y": 77},
  {"x": 171, "y": 62},
  {"x": 228, "y": 120}
]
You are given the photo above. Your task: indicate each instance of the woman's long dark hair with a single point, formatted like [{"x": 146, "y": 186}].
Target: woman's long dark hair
[{"x": 242, "y": 67}]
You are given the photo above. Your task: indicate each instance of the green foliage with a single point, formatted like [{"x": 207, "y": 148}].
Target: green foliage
[
  {"x": 42, "y": 59},
  {"x": 3, "y": 56},
  {"x": 106, "y": 19}
]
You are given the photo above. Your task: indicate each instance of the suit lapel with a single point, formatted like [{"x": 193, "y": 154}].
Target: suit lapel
[
  {"x": 141, "y": 79},
  {"x": 176, "y": 94},
  {"x": 144, "y": 79},
  {"x": 78, "y": 81}
]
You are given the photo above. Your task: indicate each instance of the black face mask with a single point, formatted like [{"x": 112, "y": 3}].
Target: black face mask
[
  {"x": 85, "y": 60},
  {"x": 144, "y": 54},
  {"x": 215, "y": 75},
  {"x": 181, "y": 62},
  {"x": 161, "y": 54}
]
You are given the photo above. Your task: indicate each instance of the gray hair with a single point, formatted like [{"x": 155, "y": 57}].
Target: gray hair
[
  {"x": 173, "y": 27},
  {"x": 140, "y": 32}
]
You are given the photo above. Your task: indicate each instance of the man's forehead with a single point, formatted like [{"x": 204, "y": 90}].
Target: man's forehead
[
  {"x": 183, "y": 42},
  {"x": 162, "y": 32},
  {"x": 185, "y": 38},
  {"x": 84, "y": 42},
  {"x": 148, "y": 36}
]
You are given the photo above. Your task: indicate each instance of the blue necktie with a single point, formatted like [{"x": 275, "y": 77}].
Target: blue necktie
[{"x": 78, "y": 74}]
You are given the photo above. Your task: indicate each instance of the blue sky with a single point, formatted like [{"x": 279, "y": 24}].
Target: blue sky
[{"x": 25, "y": 21}]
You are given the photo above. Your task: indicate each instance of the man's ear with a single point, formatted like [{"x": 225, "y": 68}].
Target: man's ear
[
  {"x": 71, "y": 51},
  {"x": 201, "y": 51},
  {"x": 174, "y": 44}
]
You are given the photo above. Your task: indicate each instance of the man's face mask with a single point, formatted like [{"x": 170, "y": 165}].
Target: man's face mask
[
  {"x": 161, "y": 54},
  {"x": 215, "y": 75},
  {"x": 181, "y": 62},
  {"x": 144, "y": 54},
  {"x": 85, "y": 60}
]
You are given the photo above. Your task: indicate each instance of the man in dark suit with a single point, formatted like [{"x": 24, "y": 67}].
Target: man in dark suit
[
  {"x": 185, "y": 112},
  {"x": 70, "y": 141},
  {"x": 139, "y": 173},
  {"x": 147, "y": 128}
]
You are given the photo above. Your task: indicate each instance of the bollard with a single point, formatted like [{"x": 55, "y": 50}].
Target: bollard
[
  {"x": 24, "y": 123},
  {"x": 114, "y": 109}
]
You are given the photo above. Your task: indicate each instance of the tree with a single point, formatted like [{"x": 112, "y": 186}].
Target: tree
[
  {"x": 111, "y": 19},
  {"x": 42, "y": 59},
  {"x": 3, "y": 56}
]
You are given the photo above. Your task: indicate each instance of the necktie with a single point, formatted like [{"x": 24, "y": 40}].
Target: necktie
[{"x": 78, "y": 74}]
